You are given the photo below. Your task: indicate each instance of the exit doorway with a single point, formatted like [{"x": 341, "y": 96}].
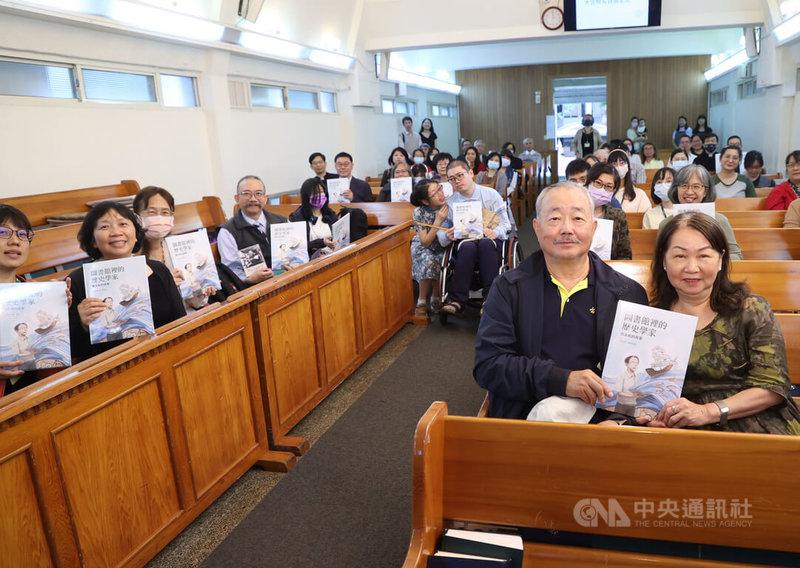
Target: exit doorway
[{"x": 573, "y": 97}]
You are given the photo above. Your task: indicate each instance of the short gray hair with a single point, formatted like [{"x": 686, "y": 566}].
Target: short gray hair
[
  {"x": 685, "y": 174},
  {"x": 561, "y": 185},
  {"x": 526, "y": 139}
]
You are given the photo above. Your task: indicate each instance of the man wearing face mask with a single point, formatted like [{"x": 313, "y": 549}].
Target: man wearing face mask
[
  {"x": 709, "y": 159},
  {"x": 587, "y": 139}
]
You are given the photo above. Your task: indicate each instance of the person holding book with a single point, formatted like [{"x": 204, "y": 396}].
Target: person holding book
[
  {"x": 546, "y": 325},
  {"x": 111, "y": 231},
  {"x": 318, "y": 215},
  {"x": 737, "y": 378},
  {"x": 426, "y": 251}
]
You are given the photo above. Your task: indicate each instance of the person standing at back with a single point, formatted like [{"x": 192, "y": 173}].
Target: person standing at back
[
  {"x": 409, "y": 139},
  {"x": 587, "y": 139}
]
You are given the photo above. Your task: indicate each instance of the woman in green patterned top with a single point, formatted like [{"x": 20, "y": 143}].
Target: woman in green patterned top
[{"x": 737, "y": 378}]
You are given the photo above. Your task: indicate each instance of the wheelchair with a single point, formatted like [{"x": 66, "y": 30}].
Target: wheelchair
[{"x": 510, "y": 257}]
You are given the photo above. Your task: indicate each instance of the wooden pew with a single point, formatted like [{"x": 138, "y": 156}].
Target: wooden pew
[
  {"x": 569, "y": 478},
  {"x": 40, "y": 206},
  {"x": 740, "y": 203},
  {"x": 756, "y": 244},
  {"x": 761, "y": 219},
  {"x": 378, "y": 214}
]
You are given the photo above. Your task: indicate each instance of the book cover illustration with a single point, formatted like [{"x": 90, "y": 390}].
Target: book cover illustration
[
  {"x": 647, "y": 357},
  {"x": 447, "y": 188},
  {"x": 708, "y": 208},
  {"x": 336, "y": 188},
  {"x": 468, "y": 220},
  {"x": 191, "y": 254},
  {"x": 122, "y": 285},
  {"x": 340, "y": 232},
  {"x": 289, "y": 245},
  {"x": 603, "y": 235},
  {"x": 401, "y": 189},
  {"x": 252, "y": 259},
  {"x": 34, "y": 325}
]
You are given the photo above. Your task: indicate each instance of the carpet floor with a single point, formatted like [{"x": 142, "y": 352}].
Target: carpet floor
[{"x": 347, "y": 503}]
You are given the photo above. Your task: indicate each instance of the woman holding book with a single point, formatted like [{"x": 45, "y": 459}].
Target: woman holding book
[
  {"x": 426, "y": 252},
  {"x": 737, "y": 378},
  {"x": 318, "y": 215},
  {"x": 111, "y": 231},
  {"x": 156, "y": 209}
]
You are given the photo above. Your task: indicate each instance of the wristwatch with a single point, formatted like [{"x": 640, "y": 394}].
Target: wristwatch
[{"x": 723, "y": 412}]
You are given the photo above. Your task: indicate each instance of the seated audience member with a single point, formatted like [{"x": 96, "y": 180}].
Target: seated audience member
[
  {"x": 156, "y": 209},
  {"x": 426, "y": 134},
  {"x": 696, "y": 147},
  {"x": 628, "y": 143},
  {"x": 426, "y": 250},
  {"x": 359, "y": 189},
  {"x": 678, "y": 160},
  {"x": 480, "y": 147},
  {"x": 701, "y": 128},
  {"x": 638, "y": 174},
  {"x": 465, "y": 143},
  {"x": 418, "y": 157},
  {"x": 587, "y": 140},
  {"x": 318, "y": 215},
  {"x": 591, "y": 160},
  {"x": 601, "y": 182},
  {"x": 426, "y": 153},
  {"x": 631, "y": 197},
  {"x": 649, "y": 157},
  {"x": 408, "y": 139},
  {"x": 529, "y": 154},
  {"x": 494, "y": 176},
  {"x": 111, "y": 231},
  {"x": 249, "y": 226},
  {"x": 693, "y": 185},
  {"x": 578, "y": 170},
  {"x": 737, "y": 378},
  {"x": 601, "y": 155},
  {"x": 319, "y": 166},
  {"x": 532, "y": 343},
  {"x": 472, "y": 159},
  {"x": 400, "y": 170},
  {"x": 709, "y": 158},
  {"x": 507, "y": 160},
  {"x": 516, "y": 163},
  {"x": 471, "y": 253},
  {"x": 431, "y": 155},
  {"x": 659, "y": 192},
  {"x": 728, "y": 183},
  {"x": 785, "y": 193},
  {"x": 440, "y": 163},
  {"x": 685, "y": 144},
  {"x": 419, "y": 172},
  {"x": 734, "y": 140},
  {"x": 792, "y": 218},
  {"x": 16, "y": 236},
  {"x": 753, "y": 164},
  {"x": 396, "y": 156},
  {"x": 682, "y": 130}
]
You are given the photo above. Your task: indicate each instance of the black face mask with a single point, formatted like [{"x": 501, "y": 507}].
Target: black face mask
[
  {"x": 710, "y": 148},
  {"x": 588, "y": 122}
]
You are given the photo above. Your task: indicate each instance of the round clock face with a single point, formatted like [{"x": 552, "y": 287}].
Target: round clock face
[{"x": 553, "y": 18}]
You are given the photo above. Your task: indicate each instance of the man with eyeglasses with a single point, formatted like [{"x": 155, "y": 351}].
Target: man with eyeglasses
[
  {"x": 359, "y": 190},
  {"x": 249, "y": 226},
  {"x": 482, "y": 253}
]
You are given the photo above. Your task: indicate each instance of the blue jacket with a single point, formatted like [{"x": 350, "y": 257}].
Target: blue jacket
[{"x": 508, "y": 361}]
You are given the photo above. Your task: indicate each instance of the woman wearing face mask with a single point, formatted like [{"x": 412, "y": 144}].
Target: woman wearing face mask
[
  {"x": 693, "y": 185},
  {"x": 318, "y": 215},
  {"x": 630, "y": 197},
  {"x": 753, "y": 163},
  {"x": 683, "y": 128},
  {"x": 587, "y": 139},
  {"x": 395, "y": 157},
  {"x": 156, "y": 208},
  {"x": 649, "y": 156},
  {"x": 601, "y": 182},
  {"x": 678, "y": 160},
  {"x": 727, "y": 182},
  {"x": 659, "y": 192},
  {"x": 493, "y": 177},
  {"x": 701, "y": 127},
  {"x": 418, "y": 157},
  {"x": 400, "y": 170}
]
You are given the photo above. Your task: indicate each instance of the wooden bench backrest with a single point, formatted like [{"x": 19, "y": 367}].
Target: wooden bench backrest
[
  {"x": 738, "y": 219},
  {"x": 378, "y": 214},
  {"x": 537, "y": 475},
  {"x": 38, "y": 207},
  {"x": 740, "y": 203},
  {"x": 756, "y": 244}
]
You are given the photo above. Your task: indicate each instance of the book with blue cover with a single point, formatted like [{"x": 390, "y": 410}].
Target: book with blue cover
[{"x": 191, "y": 254}]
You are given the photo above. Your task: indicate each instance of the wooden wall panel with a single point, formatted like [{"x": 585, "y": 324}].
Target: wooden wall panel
[
  {"x": 293, "y": 347},
  {"x": 338, "y": 325},
  {"x": 130, "y": 482},
  {"x": 499, "y": 105},
  {"x": 218, "y": 421},
  {"x": 398, "y": 267},
  {"x": 21, "y": 523},
  {"x": 373, "y": 299}
]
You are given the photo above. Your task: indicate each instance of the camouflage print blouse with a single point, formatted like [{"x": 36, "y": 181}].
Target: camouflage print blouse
[{"x": 739, "y": 352}]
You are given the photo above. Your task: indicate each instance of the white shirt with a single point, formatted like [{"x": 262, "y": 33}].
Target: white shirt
[{"x": 229, "y": 250}]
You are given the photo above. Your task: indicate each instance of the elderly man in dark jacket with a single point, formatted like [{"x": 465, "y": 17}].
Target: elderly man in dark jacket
[{"x": 546, "y": 325}]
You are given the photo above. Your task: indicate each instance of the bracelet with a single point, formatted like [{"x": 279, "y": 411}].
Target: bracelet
[{"x": 723, "y": 412}]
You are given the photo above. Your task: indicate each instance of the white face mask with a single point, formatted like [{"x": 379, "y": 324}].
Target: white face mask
[
  {"x": 640, "y": 129},
  {"x": 157, "y": 226},
  {"x": 634, "y": 124},
  {"x": 680, "y": 164},
  {"x": 622, "y": 170},
  {"x": 416, "y": 179},
  {"x": 506, "y": 162},
  {"x": 418, "y": 159},
  {"x": 661, "y": 190},
  {"x": 493, "y": 165}
]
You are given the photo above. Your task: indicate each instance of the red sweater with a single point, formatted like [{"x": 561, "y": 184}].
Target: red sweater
[{"x": 780, "y": 197}]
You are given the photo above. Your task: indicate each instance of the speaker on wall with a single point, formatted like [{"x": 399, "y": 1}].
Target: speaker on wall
[{"x": 250, "y": 9}]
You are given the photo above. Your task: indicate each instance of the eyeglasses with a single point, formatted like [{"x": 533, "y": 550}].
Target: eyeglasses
[
  {"x": 22, "y": 234},
  {"x": 600, "y": 185},
  {"x": 792, "y": 165},
  {"x": 251, "y": 194},
  {"x": 156, "y": 213},
  {"x": 456, "y": 177},
  {"x": 692, "y": 186}
]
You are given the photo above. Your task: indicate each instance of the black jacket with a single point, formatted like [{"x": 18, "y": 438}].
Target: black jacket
[
  {"x": 328, "y": 216},
  {"x": 508, "y": 360}
]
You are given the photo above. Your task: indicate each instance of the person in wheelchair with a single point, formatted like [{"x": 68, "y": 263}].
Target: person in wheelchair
[{"x": 483, "y": 252}]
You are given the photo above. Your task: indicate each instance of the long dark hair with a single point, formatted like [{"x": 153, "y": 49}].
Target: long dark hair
[
  {"x": 17, "y": 217},
  {"x": 420, "y": 191},
  {"x": 627, "y": 181},
  {"x": 727, "y": 296},
  {"x": 474, "y": 168},
  {"x": 307, "y": 190},
  {"x": 402, "y": 151}
]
